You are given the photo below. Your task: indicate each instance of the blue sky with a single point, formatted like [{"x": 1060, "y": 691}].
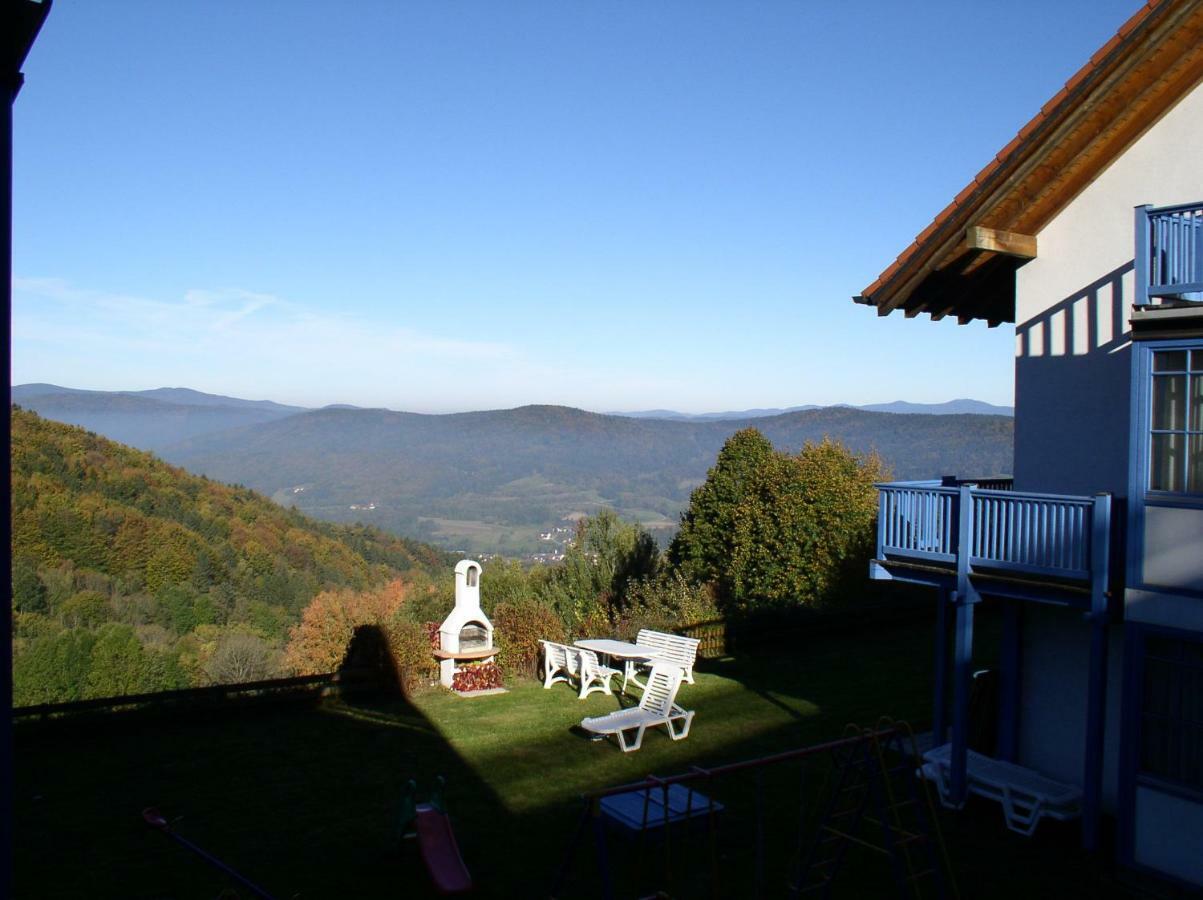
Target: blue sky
[{"x": 439, "y": 206}]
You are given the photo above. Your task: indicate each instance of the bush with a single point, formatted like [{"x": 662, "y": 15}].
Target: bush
[
  {"x": 504, "y": 581},
  {"x": 518, "y": 628},
  {"x": 429, "y": 604},
  {"x": 669, "y": 602},
  {"x": 409, "y": 649}
]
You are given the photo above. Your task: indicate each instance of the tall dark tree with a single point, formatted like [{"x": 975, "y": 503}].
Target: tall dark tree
[
  {"x": 702, "y": 548},
  {"x": 771, "y": 529}
]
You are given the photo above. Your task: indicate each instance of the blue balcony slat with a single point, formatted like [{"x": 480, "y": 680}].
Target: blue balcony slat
[
  {"x": 1033, "y": 534},
  {"x": 1064, "y": 543},
  {"x": 1037, "y": 537},
  {"x": 1169, "y": 251},
  {"x": 1027, "y": 531},
  {"x": 1040, "y": 542}
]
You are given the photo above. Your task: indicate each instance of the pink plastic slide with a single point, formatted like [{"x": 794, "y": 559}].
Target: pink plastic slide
[{"x": 441, "y": 852}]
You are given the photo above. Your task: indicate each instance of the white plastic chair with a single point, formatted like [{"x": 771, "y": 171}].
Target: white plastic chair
[
  {"x": 559, "y": 663},
  {"x": 594, "y": 676},
  {"x": 658, "y": 706}
]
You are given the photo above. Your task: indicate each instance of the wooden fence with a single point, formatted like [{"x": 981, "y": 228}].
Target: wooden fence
[{"x": 303, "y": 688}]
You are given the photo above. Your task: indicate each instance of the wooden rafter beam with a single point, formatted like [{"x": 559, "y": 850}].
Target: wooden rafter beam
[{"x": 995, "y": 240}]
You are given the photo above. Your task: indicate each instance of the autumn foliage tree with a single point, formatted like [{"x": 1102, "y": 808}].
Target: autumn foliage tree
[{"x": 319, "y": 643}]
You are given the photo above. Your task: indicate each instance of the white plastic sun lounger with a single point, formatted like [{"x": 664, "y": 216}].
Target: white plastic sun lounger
[
  {"x": 1025, "y": 795},
  {"x": 658, "y": 706}
]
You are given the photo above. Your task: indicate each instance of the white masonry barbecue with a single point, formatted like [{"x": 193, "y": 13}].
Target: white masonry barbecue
[{"x": 466, "y": 634}]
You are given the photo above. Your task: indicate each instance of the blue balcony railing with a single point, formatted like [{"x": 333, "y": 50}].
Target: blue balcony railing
[
  {"x": 1169, "y": 253},
  {"x": 1044, "y": 535}
]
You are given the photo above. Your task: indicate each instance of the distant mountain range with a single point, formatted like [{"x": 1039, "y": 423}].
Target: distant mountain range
[
  {"x": 493, "y": 481},
  {"x": 950, "y": 408},
  {"x": 148, "y": 420}
]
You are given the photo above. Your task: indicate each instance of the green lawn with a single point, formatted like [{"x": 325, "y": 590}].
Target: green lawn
[{"x": 303, "y": 799}]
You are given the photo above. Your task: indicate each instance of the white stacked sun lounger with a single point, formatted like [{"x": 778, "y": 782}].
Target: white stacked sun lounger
[
  {"x": 674, "y": 648},
  {"x": 1026, "y": 796}
]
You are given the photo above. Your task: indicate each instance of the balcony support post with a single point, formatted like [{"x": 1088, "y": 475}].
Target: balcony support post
[
  {"x": 940, "y": 699},
  {"x": 1010, "y": 681},
  {"x": 1141, "y": 260},
  {"x": 1096, "y": 692},
  {"x": 965, "y": 598},
  {"x": 962, "y": 678},
  {"x": 1096, "y": 711}
]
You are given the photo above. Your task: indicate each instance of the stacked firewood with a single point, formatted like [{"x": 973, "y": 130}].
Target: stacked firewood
[{"x": 481, "y": 676}]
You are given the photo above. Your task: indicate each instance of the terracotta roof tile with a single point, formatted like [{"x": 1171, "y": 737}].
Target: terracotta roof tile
[
  {"x": 1032, "y": 124},
  {"x": 1009, "y": 149},
  {"x": 987, "y": 170},
  {"x": 1105, "y": 49},
  {"x": 1132, "y": 22},
  {"x": 1078, "y": 77},
  {"x": 964, "y": 194},
  {"x": 882, "y": 278},
  {"x": 927, "y": 232},
  {"x": 1054, "y": 102}
]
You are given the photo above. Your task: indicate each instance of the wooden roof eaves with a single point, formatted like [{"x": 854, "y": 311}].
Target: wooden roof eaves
[{"x": 1083, "y": 95}]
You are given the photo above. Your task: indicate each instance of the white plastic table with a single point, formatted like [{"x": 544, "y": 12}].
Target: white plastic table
[{"x": 629, "y": 654}]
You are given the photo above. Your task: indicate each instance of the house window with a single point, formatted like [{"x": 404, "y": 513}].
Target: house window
[
  {"x": 1171, "y": 734},
  {"x": 1176, "y": 432}
]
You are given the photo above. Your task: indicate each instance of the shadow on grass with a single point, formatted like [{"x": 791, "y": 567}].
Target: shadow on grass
[{"x": 302, "y": 798}]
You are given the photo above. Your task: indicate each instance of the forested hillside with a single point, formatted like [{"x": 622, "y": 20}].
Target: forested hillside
[
  {"x": 130, "y": 574},
  {"x": 491, "y": 481},
  {"x": 501, "y": 481}
]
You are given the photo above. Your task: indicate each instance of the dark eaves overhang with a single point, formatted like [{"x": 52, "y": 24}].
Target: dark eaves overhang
[
  {"x": 22, "y": 21},
  {"x": 964, "y": 262}
]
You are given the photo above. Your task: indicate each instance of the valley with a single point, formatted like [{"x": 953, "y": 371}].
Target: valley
[{"x": 492, "y": 482}]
